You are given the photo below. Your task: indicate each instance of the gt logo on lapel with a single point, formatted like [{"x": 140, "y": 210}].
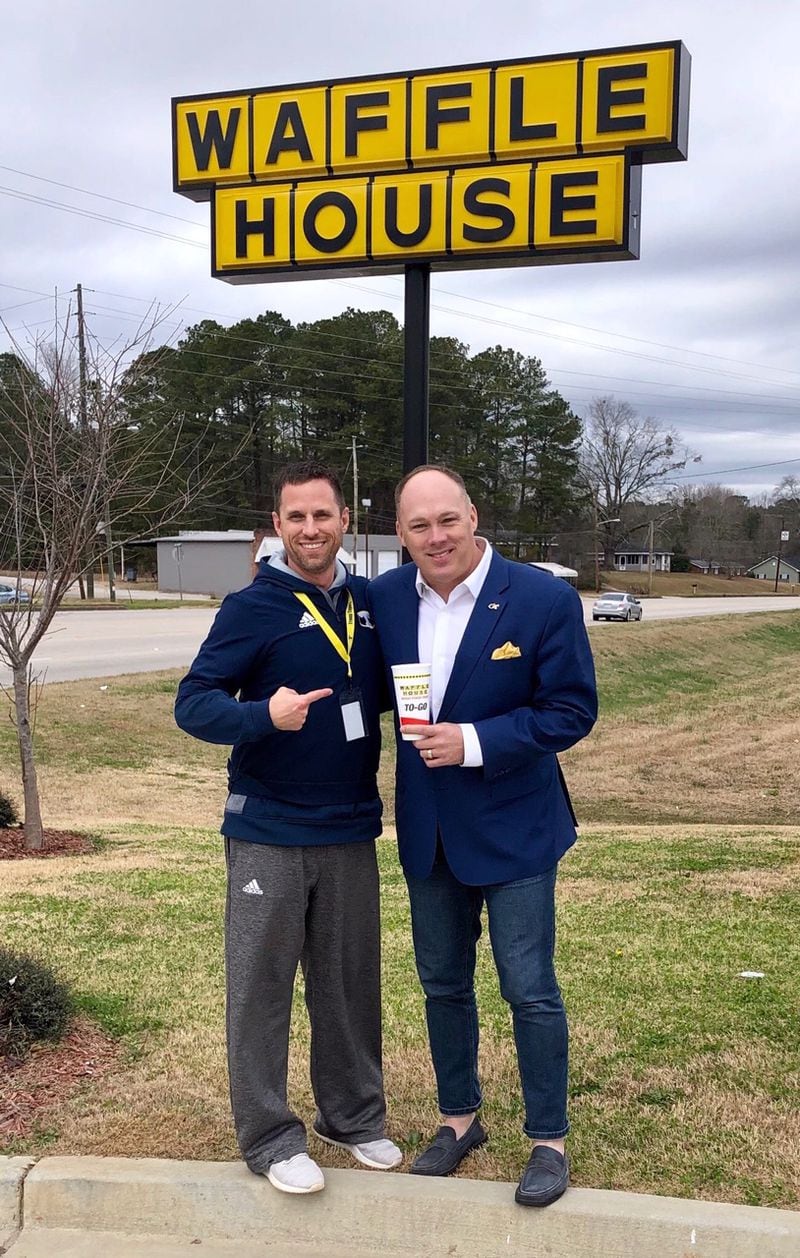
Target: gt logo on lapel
[{"x": 506, "y": 652}]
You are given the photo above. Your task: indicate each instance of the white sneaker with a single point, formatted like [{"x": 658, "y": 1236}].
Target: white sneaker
[
  {"x": 297, "y": 1174},
  {"x": 379, "y": 1155}
]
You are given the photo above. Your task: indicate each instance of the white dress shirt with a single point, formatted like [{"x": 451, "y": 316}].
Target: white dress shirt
[{"x": 440, "y": 628}]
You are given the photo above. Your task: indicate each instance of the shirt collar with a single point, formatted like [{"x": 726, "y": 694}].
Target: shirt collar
[{"x": 473, "y": 582}]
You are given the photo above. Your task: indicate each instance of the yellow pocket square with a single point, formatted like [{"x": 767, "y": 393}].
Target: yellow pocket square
[{"x": 506, "y": 652}]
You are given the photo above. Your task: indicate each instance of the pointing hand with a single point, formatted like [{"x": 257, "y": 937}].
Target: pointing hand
[{"x": 288, "y": 709}]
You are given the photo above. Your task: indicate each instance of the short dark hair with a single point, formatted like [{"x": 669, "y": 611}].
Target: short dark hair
[
  {"x": 430, "y": 467},
  {"x": 300, "y": 474}
]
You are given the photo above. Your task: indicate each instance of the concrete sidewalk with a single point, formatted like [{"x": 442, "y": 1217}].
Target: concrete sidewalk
[{"x": 90, "y": 1207}]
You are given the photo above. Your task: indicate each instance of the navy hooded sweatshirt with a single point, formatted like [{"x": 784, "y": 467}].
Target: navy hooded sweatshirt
[{"x": 290, "y": 787}]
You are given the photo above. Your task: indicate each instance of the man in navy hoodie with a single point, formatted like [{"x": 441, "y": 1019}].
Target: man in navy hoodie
[{"x": 291, "y": 676}]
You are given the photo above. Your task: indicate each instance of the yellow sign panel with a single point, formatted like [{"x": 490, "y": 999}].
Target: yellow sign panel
[
  {"x": 628, "y": 99},
  {"x": 368, "y": 126},
  {"x": 623, "y": 99},
  {"x": 289, "y": 134},
  {"x": 491, "y": 209},
  {"x": 535, "y": 105},
  {"x": 409, "y": 213},
  {"x": 330, "y": 221},
  {"x": 522, "y": 212},
  {"x": 450, "y": 118},
  {"x": 579, "y": 198},
  {"x": 211, "y": 141}
]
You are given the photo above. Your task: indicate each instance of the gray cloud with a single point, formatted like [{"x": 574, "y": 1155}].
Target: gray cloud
[{"x": 720, "y": 267}]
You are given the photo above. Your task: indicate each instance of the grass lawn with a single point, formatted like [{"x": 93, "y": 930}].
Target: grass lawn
[{"x": 685, "y": 1077}]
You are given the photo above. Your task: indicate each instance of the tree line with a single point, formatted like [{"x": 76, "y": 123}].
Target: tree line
[
  {"x": 214, "y": 417},
  {"x": 264, "y": 392}
]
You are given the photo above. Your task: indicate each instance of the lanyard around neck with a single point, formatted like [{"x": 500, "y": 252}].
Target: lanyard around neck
[{"x": 334, "y": 639}]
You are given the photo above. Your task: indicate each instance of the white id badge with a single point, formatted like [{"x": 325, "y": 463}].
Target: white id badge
[{"x": 355, "y": 725}]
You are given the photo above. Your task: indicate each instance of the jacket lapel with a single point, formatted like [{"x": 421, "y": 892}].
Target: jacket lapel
[
  {"x": 406, "y": 617},
  {"x": 487, "y": 612}
]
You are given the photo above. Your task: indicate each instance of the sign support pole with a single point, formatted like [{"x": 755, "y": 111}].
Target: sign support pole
[{"x": 416, "y": 390}]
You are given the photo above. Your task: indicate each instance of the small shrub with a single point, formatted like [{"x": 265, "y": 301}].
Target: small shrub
[
  {"x": 8, "y": 813},
  {"x": 34, "y": 1004}
]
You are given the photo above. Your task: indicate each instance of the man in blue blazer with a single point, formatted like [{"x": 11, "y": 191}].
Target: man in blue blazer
[{"x": 483, "y": 815}]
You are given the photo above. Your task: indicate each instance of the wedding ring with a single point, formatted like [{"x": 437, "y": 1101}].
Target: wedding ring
[{"x": 430, "y": 754}]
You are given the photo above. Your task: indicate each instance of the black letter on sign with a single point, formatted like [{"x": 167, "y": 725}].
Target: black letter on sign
[
  {"x": 322, "y": 243},
  {"x": 415, "y": 237},
  {"x": 560, "y": 203},
  {"x": 434, "y": 115},
  {"x": 353, "y": 123},
  {"x": 264, "y": 227},
  {"x": 289, "y": 135},
  {"x": 533, "y": 130},
  {"x": 607, "y": 98},
  {"x": 488, "y": 210},
  {"x": 213, "y": 138}
]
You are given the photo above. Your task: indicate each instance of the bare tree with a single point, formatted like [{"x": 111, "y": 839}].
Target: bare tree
[
  {"x": 625, "y": 458},
  {"x": 73, "y": 464}
]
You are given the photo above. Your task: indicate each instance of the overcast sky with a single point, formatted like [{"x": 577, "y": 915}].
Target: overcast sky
[{"x": 702, "y": 332}]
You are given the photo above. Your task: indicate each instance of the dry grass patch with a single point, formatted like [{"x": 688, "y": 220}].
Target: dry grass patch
[
  {"x": 597, "y": 891},
  {"x": 162, "y": 790},
  {"x": 758, "y": 884},
  {"x": 691, "y": 584},
  {"x": 690, "y": 728}
]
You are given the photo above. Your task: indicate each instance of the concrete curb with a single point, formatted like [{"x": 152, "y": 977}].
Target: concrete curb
[
  {"x": 361, "y": 1212},
  {"x": 12, "y": 1177}
]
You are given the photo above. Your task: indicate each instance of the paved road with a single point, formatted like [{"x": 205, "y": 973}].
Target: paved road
[
  {"x": 106, "y": 643},
  {"x": 681, "y": 608}
]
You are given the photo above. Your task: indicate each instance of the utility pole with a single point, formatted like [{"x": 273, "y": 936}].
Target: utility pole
[
  {"x": 112, "y": 593},
  {"x": 783, "y": 536},
  {"x": 650, "y": 546},
  {"x": 366, "y": 504},
  {"x": 84, "y": 420},
  {"x": 596, "y": 548},
  {"x": 355, "y": 503}
]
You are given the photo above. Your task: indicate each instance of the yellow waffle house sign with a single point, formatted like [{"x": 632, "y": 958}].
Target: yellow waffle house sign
[{"x": 536, "y": 160}]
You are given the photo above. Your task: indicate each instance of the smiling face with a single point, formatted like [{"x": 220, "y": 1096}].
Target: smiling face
[
  {"x": 311, "y": 524},
  {"x": 436, "y": 523}
]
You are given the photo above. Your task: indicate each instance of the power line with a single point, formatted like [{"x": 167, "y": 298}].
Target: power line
[
  {"x": 441, "y": 375},
  {"x": 753, "y": 467},
  {"x": 101, "y": 196},
  {"x": 759, "y": 400},
  {"x": 446, "y": 309},
  {"x": 100, "y": 218}
]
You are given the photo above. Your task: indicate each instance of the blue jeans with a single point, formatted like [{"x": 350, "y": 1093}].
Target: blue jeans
[{"x": 446, "y": 925}]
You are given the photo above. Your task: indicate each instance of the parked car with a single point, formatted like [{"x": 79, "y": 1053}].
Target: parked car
[
  {"x": 10, "y": 594},
  {"x": 617, "y": 607}
]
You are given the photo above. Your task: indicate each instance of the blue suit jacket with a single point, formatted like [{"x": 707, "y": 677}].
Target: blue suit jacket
[{"x": 511, "y": 818}]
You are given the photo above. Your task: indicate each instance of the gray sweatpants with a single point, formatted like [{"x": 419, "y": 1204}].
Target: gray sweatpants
[{"x": 318, "y": 906}]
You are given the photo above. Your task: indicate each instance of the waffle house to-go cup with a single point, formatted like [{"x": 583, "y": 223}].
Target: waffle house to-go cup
[{"x": 412, "y": 693}]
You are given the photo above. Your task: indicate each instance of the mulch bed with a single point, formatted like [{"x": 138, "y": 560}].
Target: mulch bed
[
  {"x": 49, "y": 1074},
  {"x": 56, "y": 843}
]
